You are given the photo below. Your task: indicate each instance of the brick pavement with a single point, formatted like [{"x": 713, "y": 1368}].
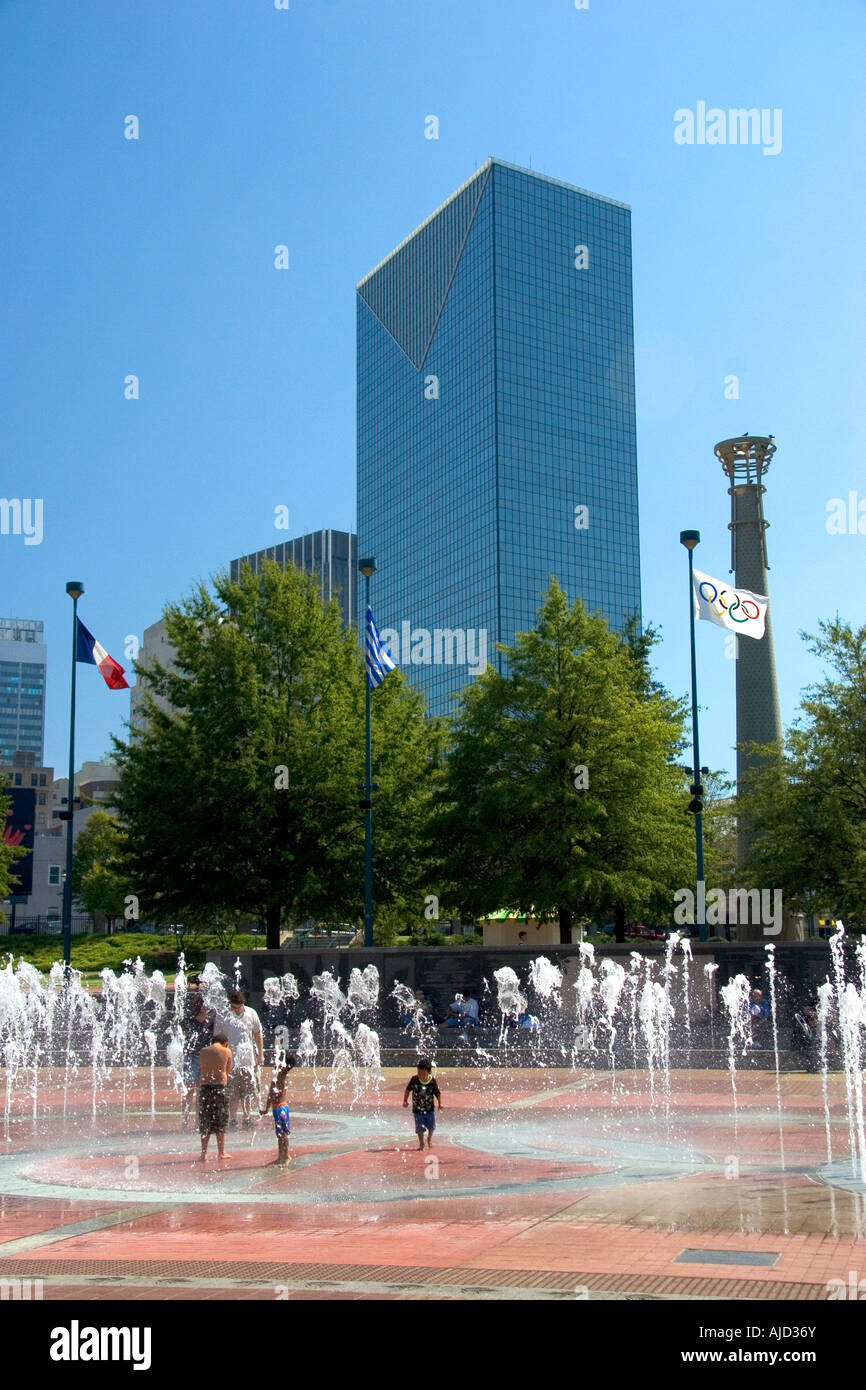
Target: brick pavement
[{"x": 546, "y": 1184}]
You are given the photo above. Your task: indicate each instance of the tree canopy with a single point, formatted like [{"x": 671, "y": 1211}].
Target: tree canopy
[
  {"x": 561, "y": 794},
  {"x": 806, "y": 806},
  {"x": 245, "y": 793},
  {"x": 10, "y": 853},
  {"x": 100, "y": 880}
]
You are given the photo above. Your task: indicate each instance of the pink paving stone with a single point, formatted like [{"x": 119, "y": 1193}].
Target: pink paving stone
[{"x": 496, "y": 1228}]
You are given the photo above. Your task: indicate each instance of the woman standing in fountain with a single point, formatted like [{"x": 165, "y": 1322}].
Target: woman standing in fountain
[
  {"x": 277, "y": 1101},
  {"x": 424, "y": 1090}
]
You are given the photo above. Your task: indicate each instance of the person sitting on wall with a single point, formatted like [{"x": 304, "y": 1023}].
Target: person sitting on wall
[
  {"x": 759, "y": 1011},
  {"x": 425, "y": 1007},
  {"x": 804, "y": 1033},
  {"x": 463, "y": 1013}
]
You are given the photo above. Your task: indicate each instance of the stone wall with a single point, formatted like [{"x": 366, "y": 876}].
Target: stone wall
[{"x": 443, "y": 971}]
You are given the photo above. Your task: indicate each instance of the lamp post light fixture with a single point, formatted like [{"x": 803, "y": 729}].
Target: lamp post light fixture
[
  {"x": 367, "y": 567},
  {"x": 691, "y": 539}
]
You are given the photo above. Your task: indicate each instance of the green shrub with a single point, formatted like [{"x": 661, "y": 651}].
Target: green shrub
[{"x": 90, "y": 954}]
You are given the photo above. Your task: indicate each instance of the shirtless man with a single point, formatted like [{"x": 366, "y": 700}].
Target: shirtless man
[{"x": 215, "y": 1061}]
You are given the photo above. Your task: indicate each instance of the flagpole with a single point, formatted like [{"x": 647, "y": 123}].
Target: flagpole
[
  {"x": 74, "y": 589},
  {"x": 367, "y": 568},
  {"x": 690, "y": 539}
]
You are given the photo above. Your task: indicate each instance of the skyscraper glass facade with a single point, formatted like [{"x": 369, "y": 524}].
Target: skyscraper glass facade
[
  {"x": 496, "y": 433},
  {"x": 22, "y": 688},
  {"x": 332, "y": 556}
]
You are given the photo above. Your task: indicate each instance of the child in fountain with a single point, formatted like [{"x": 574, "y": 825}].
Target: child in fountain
[
  {"x": 277, "y": 1101},
  {"x": 424, "y": 1090}
]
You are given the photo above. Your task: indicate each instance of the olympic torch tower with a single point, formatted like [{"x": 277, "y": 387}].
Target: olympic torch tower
[{"x": 745, "y": 461}]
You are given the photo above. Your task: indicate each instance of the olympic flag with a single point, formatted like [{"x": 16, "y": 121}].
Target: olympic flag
[{"x": 739, "y": 610}]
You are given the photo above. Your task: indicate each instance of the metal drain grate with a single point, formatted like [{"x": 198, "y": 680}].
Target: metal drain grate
[
  {"x": 246, "y": 1273},
  {"x": 727, "y": 1257}
]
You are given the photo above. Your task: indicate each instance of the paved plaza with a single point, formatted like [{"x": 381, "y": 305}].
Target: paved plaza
[{"x": 543, "y": 1184}]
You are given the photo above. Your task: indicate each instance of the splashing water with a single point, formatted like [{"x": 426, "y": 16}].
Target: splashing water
[
  {"x": 272, "y": 989},
  {"x": 638, "y": 1013},
  {"x": 851, "y": 1015},
  {"x": 363, "y": 988},
  {"x": 150, "y": 1039},
  {"x": 633, "y": 985},
  {"x": 837, "y": 954},
  {"x": 735, "y": 997},
  {"x": 307, "y": 1049},
  {"x": 368, "y": 1071},
  {"x": 825, "y": 1000},
  {"x": 332, "y": 999},
  {"x": 852, "y": 1018},
  {"x": 686, "y": 948},
  {"x": 211, "y": 986},
  {"x": 343, "y": 1060},
  {"x": 546, "y": 980},
  {"x": 654, "y": 1012},
  {"x": 771, "y": 971},
  {"x": 611, "y": 987},
  {"x": 584, "y": 989},
  {"x": 511, "y": 1002},
  {"x": 709, "y": 972}
]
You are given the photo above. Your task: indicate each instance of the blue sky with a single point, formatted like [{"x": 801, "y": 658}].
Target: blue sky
[{"x": 305, "y": 127}]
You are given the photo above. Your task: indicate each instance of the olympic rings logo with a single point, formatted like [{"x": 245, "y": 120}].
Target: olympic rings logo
[{"x": 746, "y": 606}]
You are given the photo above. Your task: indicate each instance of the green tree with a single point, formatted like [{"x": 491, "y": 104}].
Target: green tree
[
  {"x": 561, "y": 794},
  {"x": 720, "y": 830},
  {"x": 244, "y": 795},
  {"x": 224, "y": 927},
  {"x": 100, "y": 880},
  {"x": 10, "y": 852},
  {"x": 806, "y": 805}
]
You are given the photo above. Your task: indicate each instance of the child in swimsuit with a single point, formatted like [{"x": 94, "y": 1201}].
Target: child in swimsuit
[{"x": 276, "y": 1101}]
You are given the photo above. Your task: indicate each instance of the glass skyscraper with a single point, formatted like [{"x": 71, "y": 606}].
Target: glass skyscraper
[
  {"x": 332, "y": 556},
  {"x": 22, "y": 688},
  {"x": 496, "y": 430}
]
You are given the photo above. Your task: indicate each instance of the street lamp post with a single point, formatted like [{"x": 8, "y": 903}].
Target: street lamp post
[
  {"x": 690, "y": 539},
  {"x": 74, "y": 589},
  {"x": 367, "y": 568}
]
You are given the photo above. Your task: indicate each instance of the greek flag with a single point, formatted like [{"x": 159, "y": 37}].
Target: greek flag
[{"x": 379, "y": 659}]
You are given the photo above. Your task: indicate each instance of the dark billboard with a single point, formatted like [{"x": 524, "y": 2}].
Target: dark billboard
[{"x": 20, "y": 829}]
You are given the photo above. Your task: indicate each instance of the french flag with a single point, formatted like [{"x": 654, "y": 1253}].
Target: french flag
[{"x": 88, "y": 649}]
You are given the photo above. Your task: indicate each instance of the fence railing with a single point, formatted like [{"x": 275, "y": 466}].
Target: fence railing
[{"x": 43, "y": 926}]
